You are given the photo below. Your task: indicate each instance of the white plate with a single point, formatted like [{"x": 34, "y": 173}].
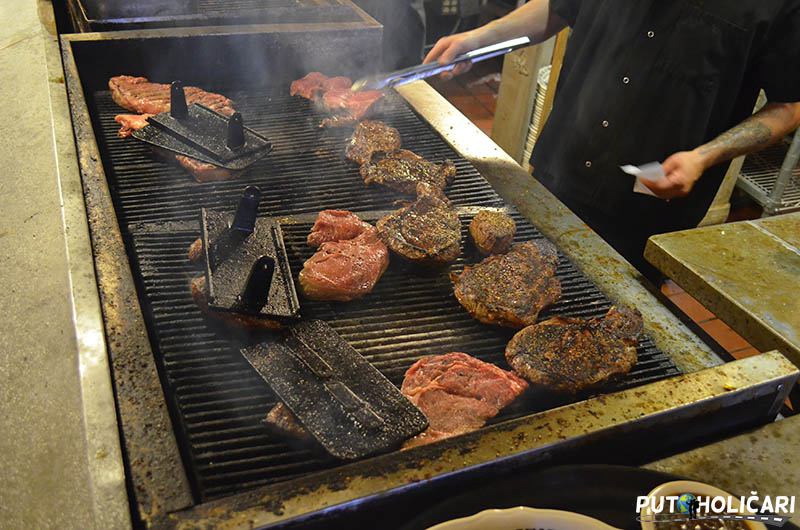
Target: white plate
[
  {"x": 679, "y": 487},
  {"x": 523, "y": 518}
]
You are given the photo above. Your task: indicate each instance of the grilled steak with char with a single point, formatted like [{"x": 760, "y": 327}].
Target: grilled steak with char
[
  {"x": 371, "y": 136},
  {"x": 402, "y": 170},
  {"x": 573, "y": 354},
  {"x": 282, "y": 421},
  {"x": 137, "y": 94},
  {"x": 458, "y": 394},
  {"x": 346, "y": 269},
  {"x": 492, "y": 231},
  {"x": 426, "y": 232},
  {"x": 510, "y": 289}
]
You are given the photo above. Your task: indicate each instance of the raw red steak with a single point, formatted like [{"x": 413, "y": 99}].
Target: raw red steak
[
  {"x": 137, "y": 94},
  {"x": 336, "y": 225},
  {"x": 309, "y": 86},
  {"x": 458, "y": 394},
  {"x": 354, "y": 104},
  {"x": 345, "y": 270}
]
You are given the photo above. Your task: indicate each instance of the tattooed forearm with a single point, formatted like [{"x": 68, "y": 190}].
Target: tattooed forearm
[
  {"x": 763, "y": 128},
  {"x": 750, "y": 135}
]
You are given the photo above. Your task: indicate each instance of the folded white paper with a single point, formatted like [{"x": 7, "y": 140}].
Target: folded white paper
[{"x": 650, "y": 171}]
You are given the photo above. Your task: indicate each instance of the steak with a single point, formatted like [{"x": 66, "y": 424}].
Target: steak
[
  {"x": 137, "y": 94},
  {"x": 492, "y": 231},
  {"x": 574, "y": 354},
  {"x": 336, "y": 225},
  {"x": 402, "y": 170},
  {"x": 230, "y": 318},
  {"x": 335, "y": 96},
  {"x": 458, "y": 394},
  {"x": 371, "y": 136},
  {"x": 201, "y": 171},
  {"x": 426, "y": 232},
  {"x": 345, "y": 270},
  {"x": 282, "y": 421},
  {"x": 510, "y": 289}
]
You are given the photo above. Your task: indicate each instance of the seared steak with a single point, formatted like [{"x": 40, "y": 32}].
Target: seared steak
[
  {"x": 403, "y": 170},
  {"x": 510, "y": 289},
  {"x": 198, "y": 286},
  {"x": 427, "y": 232},
  {"x": 492, "y": 231},
  {"x": 344, "y": 270},
  {"x": 336, "y": 225},
  {"x": 283, "y": 422},
  {"x": 457, "y": 393},
  {"x": 573, "y": 354},
  {"x": 137, "y": 94},
  {"x": 371, "y": 136}
]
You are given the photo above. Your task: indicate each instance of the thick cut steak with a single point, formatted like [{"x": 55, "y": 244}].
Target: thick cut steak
[
  {"x": 510, "y": 289},
  {"x": 492, "y": 231},
  {"x": 371, "y": 136},
  {"x": 458, "y": 394},
  {"x": 137, "y": 94},
  {"x": 346, "y": 269},
  {"x": 573, "y": 354},
  {"x": 402, "y": 170},
  {"x": 426, "y": 232}
]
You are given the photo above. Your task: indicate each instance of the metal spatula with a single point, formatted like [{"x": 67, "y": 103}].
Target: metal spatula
[{"x": 413, "y": 73}]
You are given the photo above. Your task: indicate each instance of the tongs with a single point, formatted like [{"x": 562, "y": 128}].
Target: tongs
[{"x": 413, "y": 73}]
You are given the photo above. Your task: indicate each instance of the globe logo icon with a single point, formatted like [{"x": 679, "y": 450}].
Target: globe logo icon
[{"x": 685, "y": 502}]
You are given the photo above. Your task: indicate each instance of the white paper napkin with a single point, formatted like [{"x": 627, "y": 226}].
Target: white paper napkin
[{"x": 650, "y": 171}]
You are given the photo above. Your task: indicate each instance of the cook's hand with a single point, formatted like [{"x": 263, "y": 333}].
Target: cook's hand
[
  {"x": 682, "y": 170},
  {"x": 448, "y": 48}
]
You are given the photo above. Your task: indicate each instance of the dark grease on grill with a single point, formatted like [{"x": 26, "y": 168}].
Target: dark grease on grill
[{"x": 218, "y": 401}]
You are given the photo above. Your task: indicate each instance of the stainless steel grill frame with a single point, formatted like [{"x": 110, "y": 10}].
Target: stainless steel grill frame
[{"x": 759, "y": 384}]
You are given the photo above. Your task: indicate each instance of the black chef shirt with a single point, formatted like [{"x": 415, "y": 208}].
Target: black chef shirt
[{"x": 643, "y": 79}]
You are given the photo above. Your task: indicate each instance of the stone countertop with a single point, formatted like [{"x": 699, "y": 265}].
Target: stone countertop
[
  {"x": 746, "y": 273},
  {"x": 764, "y": 460}
]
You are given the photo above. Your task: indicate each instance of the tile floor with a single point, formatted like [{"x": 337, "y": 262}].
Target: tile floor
[{"x": 475, "y": 94}]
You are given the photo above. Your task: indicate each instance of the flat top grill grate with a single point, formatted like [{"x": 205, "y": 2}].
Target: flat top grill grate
[{"x": 217, "y": 400}]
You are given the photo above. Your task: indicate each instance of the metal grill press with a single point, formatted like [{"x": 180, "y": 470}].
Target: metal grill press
[{"x": 216, "y": 398}]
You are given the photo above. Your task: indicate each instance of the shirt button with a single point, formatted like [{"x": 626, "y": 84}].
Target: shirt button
[
  {"x": 626, "y": 80},
  {"x": 650, "y": 34},
  {"x": 588, "y": 163},
  {"x": 605, "y": 123}
]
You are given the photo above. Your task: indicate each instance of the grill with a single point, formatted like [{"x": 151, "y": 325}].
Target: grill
[
  {"x": 173, "y": 369},
  {"x": 218, "y": 400},
  {"x": 106, "y": 15}
]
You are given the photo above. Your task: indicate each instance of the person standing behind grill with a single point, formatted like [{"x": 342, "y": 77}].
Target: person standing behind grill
[{"x": 653, "y": 80}]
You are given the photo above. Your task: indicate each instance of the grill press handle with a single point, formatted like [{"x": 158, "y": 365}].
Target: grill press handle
[{"x": 256, "y": 288}]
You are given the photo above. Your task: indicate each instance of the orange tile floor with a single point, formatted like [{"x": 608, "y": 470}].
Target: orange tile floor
[{"x": 475, "y": 95}]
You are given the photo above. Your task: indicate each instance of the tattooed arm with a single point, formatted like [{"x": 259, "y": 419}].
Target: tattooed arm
[{"x": 765, "y": 127}]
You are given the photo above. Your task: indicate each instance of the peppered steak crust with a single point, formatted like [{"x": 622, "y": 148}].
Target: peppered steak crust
[
  {"x": 492, "y": 231},
  {"x": 370, "y": 136},
  {"x": 402, "y": 170},
  {"x": 427, "y": 232},
  {"x": 510, "y": 289},
  {"x": 574, "y": 354}
]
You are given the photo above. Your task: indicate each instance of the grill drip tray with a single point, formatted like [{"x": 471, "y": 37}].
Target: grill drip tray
[{"x": 217, "y": 400}]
